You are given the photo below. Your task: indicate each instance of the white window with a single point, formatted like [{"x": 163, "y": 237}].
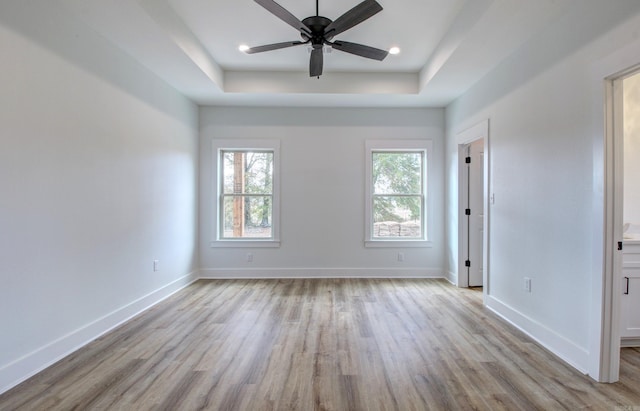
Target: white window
[
  {"x": 396, "y": 203},
  {"x": 247, "y": 200}
]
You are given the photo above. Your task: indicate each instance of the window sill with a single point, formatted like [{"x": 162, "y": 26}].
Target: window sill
[
  {"x": 245, "y": 244},
  {"x": 398, "y": 244}
]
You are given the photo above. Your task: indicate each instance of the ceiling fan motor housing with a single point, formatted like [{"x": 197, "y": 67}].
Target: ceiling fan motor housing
[{"x": 317, "y": 25}]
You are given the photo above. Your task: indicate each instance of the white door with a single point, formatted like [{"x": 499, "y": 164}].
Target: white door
[{"x": 476, "y": 212}]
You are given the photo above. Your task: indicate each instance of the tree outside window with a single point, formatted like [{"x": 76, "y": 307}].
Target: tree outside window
[
  {"x": 247, "y": 196},
  {"x": 398, "y": 194}
]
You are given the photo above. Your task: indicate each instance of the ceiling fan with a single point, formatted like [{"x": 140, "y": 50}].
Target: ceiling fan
[{"x": 318, "y": 31}]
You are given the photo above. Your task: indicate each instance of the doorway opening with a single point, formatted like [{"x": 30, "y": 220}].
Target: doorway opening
[
  {"x": 622, "y": 230},
  {"x": 630, "y": 270},
  {"x": 473, "y": 207}
]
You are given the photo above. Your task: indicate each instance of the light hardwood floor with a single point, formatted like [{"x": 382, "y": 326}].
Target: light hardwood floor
[{"x": 320, "y": 345}]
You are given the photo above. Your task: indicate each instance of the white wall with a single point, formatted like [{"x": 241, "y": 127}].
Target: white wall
[
  {"x": 98, "y": 177},
  {"x": 322, "y": 191},
  {"x": 631, "y": 90},
  {"x": 545, "y": 174}
]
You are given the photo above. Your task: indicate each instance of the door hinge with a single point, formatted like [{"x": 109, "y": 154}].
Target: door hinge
[
  {"x": 467, "y": 263},
  {"x": 627, "y": 291},
  {"x": 467, "y": 160},
  {"x": 467, "y": 211},
  {"x": 619, "y": 245}
]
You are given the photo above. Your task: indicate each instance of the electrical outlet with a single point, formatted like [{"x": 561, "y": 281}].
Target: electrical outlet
[
  {"x": 527, "y": 284},
  {"x": 401, "y": 257},
  {"x": 156, "y": 265},
  {"x": 249, "y": 257}
]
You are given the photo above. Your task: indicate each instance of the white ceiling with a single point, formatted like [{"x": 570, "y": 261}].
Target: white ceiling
[{"x": 447, "y": 45}]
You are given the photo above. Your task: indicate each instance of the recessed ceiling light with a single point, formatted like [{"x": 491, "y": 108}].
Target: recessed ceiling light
[
  {"x": 243, "y": 47},
  {"x": 394, "y": 50}
]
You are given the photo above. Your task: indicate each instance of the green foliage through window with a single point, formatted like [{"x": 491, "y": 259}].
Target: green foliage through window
[{"x": 398, "y": 193}]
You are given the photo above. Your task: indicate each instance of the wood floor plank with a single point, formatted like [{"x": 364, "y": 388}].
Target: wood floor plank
[{"x": 320, "y": 344}]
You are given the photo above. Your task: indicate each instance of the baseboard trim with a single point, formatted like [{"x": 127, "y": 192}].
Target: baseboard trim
[
  {"x": 275, "y": 273},
  {"x": 30, "y": 364},
  {"x": 569, "y": 352},
  {"x": 630, "y": 342},
  {"x": 452, "y": 278}
]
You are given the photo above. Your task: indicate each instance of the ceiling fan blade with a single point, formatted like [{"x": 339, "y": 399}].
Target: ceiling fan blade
[
  {"x": 284, "y": 15},
  {"x": 356, "y": 15},
  {"x": 275, "y": 46},
  {"x": 360, "y": 50},
  {"x": 315, "y": 64}
]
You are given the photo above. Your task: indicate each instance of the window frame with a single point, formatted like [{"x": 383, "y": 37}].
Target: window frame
[
  {"x": 400, "y": 146},
  {"x": 220, "y": 146}
]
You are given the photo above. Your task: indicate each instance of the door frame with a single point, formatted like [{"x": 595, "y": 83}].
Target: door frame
[
  {"x": 476, "y": 132},
  {"x": 602, "y": 357},
  {"x": 613, "y": 231}
]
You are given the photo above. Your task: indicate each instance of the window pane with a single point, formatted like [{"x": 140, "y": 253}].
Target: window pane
[
  {"x": 395, "y": 216},
  {"x": 258, "y": 173},
  {"x": 247, "y": 172},
  {"x": 228, "y": 171},
  {"x": 397, "y": 172},
  {"x": 247, "y": 217}
]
